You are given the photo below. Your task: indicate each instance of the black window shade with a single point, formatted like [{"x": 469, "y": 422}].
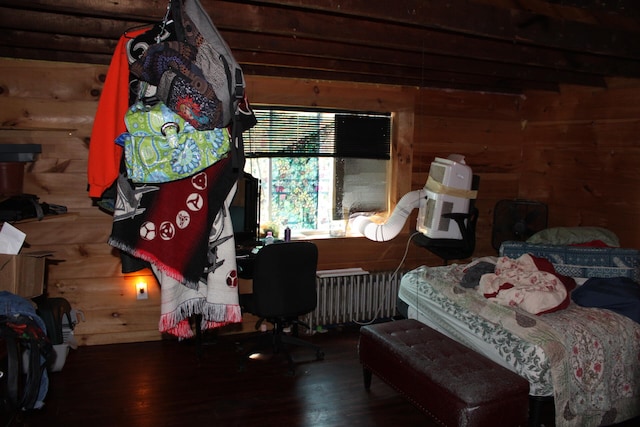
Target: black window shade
[{"x": 298, "y": 133}]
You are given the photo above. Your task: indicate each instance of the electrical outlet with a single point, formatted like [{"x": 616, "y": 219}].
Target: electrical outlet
[{"x": 142, "y": 291}]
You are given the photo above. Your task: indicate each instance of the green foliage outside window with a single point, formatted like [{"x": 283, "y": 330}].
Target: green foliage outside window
[{"x": 294, "y": 192}]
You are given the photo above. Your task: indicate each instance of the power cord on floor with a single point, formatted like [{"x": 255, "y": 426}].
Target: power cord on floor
[{"x": 384, "y": 299}]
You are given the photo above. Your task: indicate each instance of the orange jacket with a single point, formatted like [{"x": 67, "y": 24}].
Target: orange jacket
[{"x": 108, "y": 124}]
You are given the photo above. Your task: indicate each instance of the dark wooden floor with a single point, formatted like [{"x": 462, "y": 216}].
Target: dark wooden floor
[{"x": 165, "y": 384}]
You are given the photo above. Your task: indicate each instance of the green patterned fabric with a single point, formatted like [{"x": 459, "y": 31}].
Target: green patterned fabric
[
  {"x": 575, "y": 235},
  {"x": 161, "y": 146}
]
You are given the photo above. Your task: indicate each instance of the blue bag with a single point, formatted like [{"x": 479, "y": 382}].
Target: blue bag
[{"x": 619, "y": 294}]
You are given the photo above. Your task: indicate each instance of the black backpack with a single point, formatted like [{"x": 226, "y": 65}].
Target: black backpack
[
  {"x": 26, "y": 206},
  {"x": 17, "y": 334}
]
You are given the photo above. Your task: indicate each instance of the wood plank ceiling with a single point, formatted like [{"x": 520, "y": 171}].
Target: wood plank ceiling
[{"x": 482, "y": 45}]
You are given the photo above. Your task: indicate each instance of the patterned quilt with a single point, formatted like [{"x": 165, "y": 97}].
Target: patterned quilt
[{"x": 591, "y": 356}]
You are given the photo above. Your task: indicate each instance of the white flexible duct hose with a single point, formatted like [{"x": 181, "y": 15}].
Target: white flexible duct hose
[{"x": 391, "y": 228}]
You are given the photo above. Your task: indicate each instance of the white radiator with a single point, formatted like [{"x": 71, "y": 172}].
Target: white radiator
[{"x": 358, "y": 298}]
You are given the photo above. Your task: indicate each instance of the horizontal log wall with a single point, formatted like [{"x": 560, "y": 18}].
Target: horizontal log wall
[
  {"x": 582, "y": 157},
  {"x": 53, "y": 104},
  {"x": 486, "y": 129}
]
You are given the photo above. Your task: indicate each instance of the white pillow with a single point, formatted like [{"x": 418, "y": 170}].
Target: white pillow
[{"x": 575, "y": 235}]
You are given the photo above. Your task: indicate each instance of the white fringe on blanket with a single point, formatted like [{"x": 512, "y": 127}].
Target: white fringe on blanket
[{"x": 216, "y": 299}]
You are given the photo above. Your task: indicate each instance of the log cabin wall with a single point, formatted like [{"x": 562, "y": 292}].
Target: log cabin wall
[
  {"x": 509, "y": 140},
  {"x": 581, "y": 155},
  {"x": 483, "y": 127}
]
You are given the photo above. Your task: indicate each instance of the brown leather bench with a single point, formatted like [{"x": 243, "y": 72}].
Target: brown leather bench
[{"x": 449, "y": 382}]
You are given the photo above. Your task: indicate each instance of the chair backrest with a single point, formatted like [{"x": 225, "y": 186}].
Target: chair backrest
[{"x": 284, "y": 279}]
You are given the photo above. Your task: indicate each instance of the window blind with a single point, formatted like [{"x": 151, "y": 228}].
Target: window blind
[{"x": 303, "y": 133}]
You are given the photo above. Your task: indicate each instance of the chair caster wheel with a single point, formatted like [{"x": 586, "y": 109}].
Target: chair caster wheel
[{"x": 319, "y": 355}]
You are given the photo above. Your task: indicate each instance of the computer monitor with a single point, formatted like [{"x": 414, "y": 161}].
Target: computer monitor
[{"x": 245, "y": 210}]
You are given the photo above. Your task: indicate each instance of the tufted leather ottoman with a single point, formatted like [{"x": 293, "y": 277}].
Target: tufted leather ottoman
[{"x": 449, "y": 382}]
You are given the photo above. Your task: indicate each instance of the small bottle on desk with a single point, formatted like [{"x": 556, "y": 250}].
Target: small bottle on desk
[
  {"x": 269, "y": 238},
  {"x": 287, "y": 234}
]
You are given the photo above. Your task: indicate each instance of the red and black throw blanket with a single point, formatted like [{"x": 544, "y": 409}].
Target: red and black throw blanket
[{"x": 169, "y": 224}]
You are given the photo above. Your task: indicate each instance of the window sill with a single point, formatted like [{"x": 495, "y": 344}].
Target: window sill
[{"x": 321, "y": 234}]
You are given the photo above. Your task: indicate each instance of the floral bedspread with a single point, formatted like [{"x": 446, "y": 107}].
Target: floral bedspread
[{"x": 591, "y": 356}]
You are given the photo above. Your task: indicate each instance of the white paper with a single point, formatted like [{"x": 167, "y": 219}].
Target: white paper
[{"x": 11, "y": 239}]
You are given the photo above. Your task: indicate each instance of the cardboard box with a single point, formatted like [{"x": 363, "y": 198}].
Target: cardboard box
[{"x": 23, "y": 274}]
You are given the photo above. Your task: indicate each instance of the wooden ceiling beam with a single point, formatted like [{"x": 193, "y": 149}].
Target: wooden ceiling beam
[
  {"x": 433, "y": 44},
  {"x": 515, "y": 26},
  {"x": 303, "y": 53},
  {"x": 507, "y": 87},
  {"x": 358, "y": 33},
  {"x": 468, "y": 18},
  {"x": 411, "y": 76},
  {"x": 415, "y": 61},
  {"x": 63, "y": 23},
  {"x": 269, "y": 20},
  {"x": 140, "y": 10},
  {"x": 54, "y": 55},
  {"x": 607, "y": 14},
  {"x": 63, "y": 48},
  {"x": 491, "y": 45},
  {"x": 59, "y": 43}
]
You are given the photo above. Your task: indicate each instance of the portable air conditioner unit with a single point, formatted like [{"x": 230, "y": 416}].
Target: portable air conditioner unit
[{"x": 445, "y": 177}]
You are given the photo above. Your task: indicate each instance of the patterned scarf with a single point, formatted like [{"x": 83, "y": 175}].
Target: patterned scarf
[{"x": 168, "y": 224}]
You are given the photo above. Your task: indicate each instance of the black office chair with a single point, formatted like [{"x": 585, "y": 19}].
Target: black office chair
[
  {"x": 455, "y": 249},
  {"x": 284, "y": 288}
]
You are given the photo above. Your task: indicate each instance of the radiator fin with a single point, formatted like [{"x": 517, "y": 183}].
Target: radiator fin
[{"x": 359, "y": 298}]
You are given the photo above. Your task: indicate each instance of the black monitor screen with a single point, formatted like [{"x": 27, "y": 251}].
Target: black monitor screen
[{"x": 244, "y": 210}]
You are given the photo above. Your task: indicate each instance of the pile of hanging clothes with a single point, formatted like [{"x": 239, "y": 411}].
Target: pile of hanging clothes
[{"x": 165, "y": 156}]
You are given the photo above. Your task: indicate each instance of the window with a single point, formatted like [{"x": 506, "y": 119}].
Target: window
[{"x": 318, "y": 167}]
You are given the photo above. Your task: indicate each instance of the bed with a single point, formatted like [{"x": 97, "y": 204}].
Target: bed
[{"x": 586, "y": 359}]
